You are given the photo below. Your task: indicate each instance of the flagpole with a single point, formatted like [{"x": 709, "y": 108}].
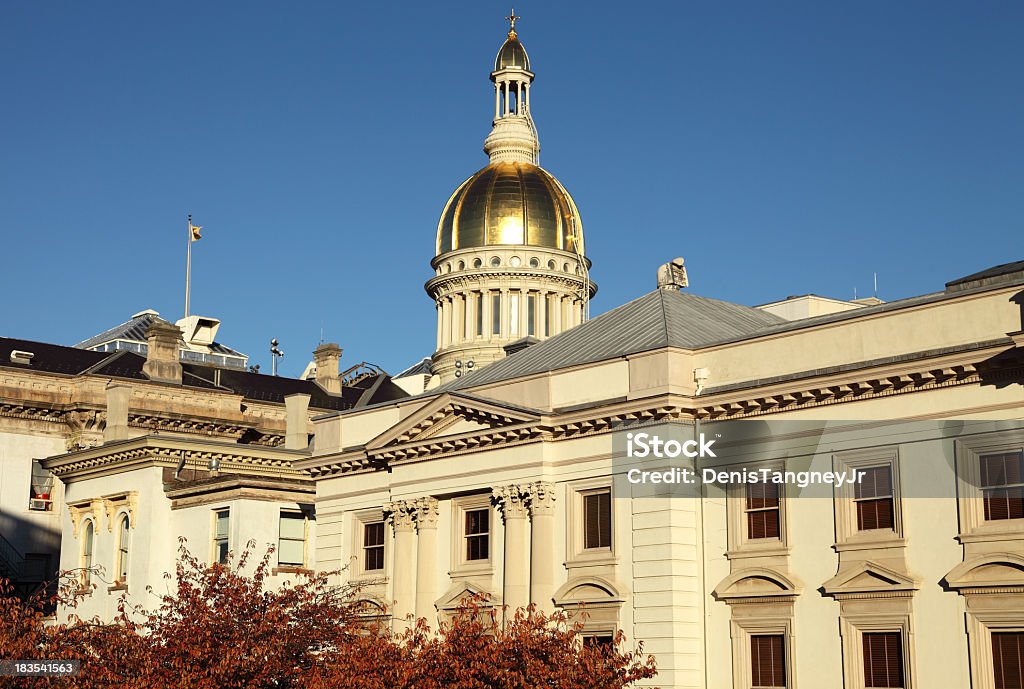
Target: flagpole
[{"x": 188, "y": 262}]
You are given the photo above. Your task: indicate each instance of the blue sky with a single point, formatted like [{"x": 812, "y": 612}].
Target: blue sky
[{"x": 781, "y": 148}]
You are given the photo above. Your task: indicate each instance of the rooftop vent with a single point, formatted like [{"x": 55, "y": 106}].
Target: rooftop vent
[
  {"x": 20, "y": 357},
  {"x": 146, "y": 312}
]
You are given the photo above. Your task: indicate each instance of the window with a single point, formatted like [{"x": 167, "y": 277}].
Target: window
[
  {"x": 291, "y": 545},
  {"x": 868, "y": 511},
  {"x": 597, "y": 520},
  {"x": 41, "y": 487},
  {"x": 88, "y": 538},
  {"x": 221, "y": 520},
  {"x": 495, "y": 313},
  {"x": 531, "y": 314},
  {"x": 604, "y": 641},
  {"x": 478, "y": 311},
  {"x": 872, "y": 496},
  {"x": 767, "y": 661},
  {"x": 883, "y": 659},
  {"x": 1007, "y": 659},
  {"x": 513, "y": 313},
  {"x": 762, "y": 510},
  {"x": 477, "y": 534},
  {"x": 123, "y": 537},
  {"x": 1002, "y": 485},
  {"x": 373, "y": 546}
]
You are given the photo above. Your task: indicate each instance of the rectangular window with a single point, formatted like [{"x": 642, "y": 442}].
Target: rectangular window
[
  {"x": 883, "y": 660},
  {"x": 477, "y": 534},
  {"x": 531, "y": 315},
  {"x": 291, "y": 549},
  {"x": 495, "y": 313},
  {"x": 762, "y": 510},
  {"x": 1008, "y": 659},
  {"x": 1002, "y": 485},
  {"x": 873, "y": 497},
  {"x": 767, "y": 661},
  {"x": 373, "y": 546},
  {"x": 220, "y": 535},
  {"x": 41, "y": 487},
  {"x": 597, "y": 520},
  {"x": 478, "y": 309}
]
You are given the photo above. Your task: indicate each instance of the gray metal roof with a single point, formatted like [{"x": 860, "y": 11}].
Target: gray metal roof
[
  {"x": 663, "y": 318},
  {"x": 420, "y": 368},
  {"x": 135, "y": 331}
]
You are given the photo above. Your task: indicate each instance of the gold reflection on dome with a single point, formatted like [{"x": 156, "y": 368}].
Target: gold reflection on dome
[{"x": 509, "y": 203}]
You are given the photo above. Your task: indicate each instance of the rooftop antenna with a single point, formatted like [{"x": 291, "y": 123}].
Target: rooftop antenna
[
  {"x": 876, "y": 284},
  {"x": 321, "y": 331},
  {"x": 855, "y": 293},
  {"x": 275, "y": 354}
]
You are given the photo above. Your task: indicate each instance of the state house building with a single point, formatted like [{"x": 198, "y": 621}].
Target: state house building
[{"x": 496, "y": 467}]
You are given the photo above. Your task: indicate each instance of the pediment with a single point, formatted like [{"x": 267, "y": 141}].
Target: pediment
[
  {"x": 756, "y": 582},
  {"x": 994, "y": 569},
  {"x": 451, "y": 414},
  {"x": 869, "y": 577},
  {"x": 462, "y": 592},
  {"x": 587, "y": 590}
]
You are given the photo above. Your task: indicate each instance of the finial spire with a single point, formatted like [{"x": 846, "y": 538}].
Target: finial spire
[{"x": 512, "y": 19}]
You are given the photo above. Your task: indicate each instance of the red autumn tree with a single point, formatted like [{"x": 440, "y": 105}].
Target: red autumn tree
[{"x": 219, "y": 627}]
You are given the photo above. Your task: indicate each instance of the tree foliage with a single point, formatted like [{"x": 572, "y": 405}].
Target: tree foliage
[{"x": 224, "y": 627}]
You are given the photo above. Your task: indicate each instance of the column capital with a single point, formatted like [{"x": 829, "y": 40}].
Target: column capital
[
  {"x": 426, "y": 513},
  {"x": 401, "y": 514},
  {"x": 511, "y": 500},
  {"x": 541, "y": 499}
]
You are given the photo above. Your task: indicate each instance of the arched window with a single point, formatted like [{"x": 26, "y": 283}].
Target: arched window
[
  {"x": 122, "y": 549},
  {"x": 87, "y": 545}
]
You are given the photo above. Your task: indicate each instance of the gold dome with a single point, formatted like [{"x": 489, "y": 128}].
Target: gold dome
[
  {"x": 512, "y": 54},
  {"x": 510, "y": 203}
]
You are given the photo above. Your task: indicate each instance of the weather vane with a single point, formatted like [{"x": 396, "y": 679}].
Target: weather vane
[{"x": 512, "y": 18}]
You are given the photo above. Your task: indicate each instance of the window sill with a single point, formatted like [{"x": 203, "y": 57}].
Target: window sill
[
  {"x": 372, "y": 577},
  {"x": 598, "y": 559},
  {"x": 485, "y": 569},
  {"x": 291, "y": 569},
  {"x": 868, "y": 541},
  {"x": 118, "y": 586},
  {"x": 760, "y": 550},
  {"x": 994, "y": 532}
]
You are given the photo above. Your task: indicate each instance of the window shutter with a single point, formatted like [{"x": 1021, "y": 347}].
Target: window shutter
[
  {"x": 883, "y": 660},
  {"x": 767, "y": 661},
  {"x": 1007, "y": 656}
]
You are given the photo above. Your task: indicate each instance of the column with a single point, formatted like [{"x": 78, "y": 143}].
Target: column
[
  {"x": 444, "y": 322},
  {"x": 526, "y": 102},
  {"x": 542, "y": 315},
  {"x": 519, "y": 98},
  {"x": 403, "y": 569},
  {"x": 505, "y": 302},
  {"x": 542, "y": 545},
  {"x": 505, "y": 85},
  {"x": 426, "y": 559},
  {"x": 516, "y": 579},
  {"x": 440, "y": 326},
  {"x": 556, "y": 314},
  {"x": 497, "y": 100}
]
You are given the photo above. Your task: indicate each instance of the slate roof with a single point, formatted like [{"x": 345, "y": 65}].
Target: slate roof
[
  {"x": 52, "y": 358},
  {"x": 663, "y": 318}
]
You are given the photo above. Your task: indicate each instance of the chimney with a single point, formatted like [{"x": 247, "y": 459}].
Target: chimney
[
  {"x": 163, "y": 363},
  {"x": 117, "y": 412},
  {"x": 296, "y": 434},
  {"x": 326, "y": 358},
  {"x": 672, "y": 275}
]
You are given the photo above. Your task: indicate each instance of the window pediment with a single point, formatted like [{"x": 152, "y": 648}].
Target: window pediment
[
  {"x": 870, "y": 577},
  {"x": 992, "y": 570},
  {"x": 756, "y": 582}
]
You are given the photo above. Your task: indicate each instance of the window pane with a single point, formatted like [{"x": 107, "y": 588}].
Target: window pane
[
  {"x": 883, "y": 660},
  {"x": 1002, "y": 469},
  {"x": 222, "y": 524},
  {"x": 477, "y": 538},
  {"x": 477, "y": 521},
  {"x": 478, "y": 306},
  {"x": 531, "y": 315},
  {"x": 875, "y": 482},
  {"x": 293, "y": 525},
  {"x": 122, "y": 550},
  {"x": 874, "y": 514},
  {"x": 1007, "y": 659},
  {"x": 767, "y": 661},
  {"x": 761, "y": 495},
  {"x": 597, "y": 520},
  {"x": 763, "y": 524},
  {"x": 291, "y": 553},
  {"x": 495, "y": 313},
  {"x": 373, "y": 534}
]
